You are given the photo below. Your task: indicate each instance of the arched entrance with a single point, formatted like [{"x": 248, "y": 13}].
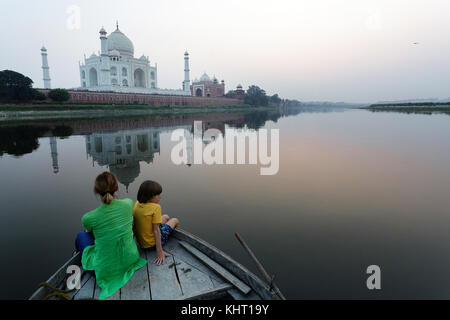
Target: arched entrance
[
  {"x": 93, "y": 78},
  {"x": 199, "y": 93},
  {"x": 139, "y": 78}
]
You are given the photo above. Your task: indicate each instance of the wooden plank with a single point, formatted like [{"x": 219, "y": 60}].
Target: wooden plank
[
  {"x": 191, "y": 279},
  {"x": 217, "y": 268},
  {"x": 211, "y": 294},
  {"x": 164, "y": 284},
  {"x": 138, "y": 287},
  {"x": 84, "y": 280},
  {"x": 237, "y": 295},
  {"x": 56, "y": 279},
  {"x": 261, "y": 288},
  {"x": 87, "y": 291},
  {"x": 115, "y": 296},
  {"x": 174, "y": 248}
]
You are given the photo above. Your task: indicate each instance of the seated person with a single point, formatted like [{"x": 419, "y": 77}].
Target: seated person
[
  {"x": 151, "y": 229},
  {"x": 107, "y": 247}
]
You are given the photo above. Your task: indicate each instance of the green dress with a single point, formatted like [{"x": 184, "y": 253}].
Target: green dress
[{"x": 114, "y": 257}]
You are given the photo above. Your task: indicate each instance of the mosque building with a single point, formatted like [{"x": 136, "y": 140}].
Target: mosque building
[{"x": 207, "y": 87}]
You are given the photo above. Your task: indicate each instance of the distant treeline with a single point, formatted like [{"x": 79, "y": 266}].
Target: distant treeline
[{"x": 411, "y": 104}]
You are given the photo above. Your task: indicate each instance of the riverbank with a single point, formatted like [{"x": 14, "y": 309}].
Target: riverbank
[
  {"x": 24, "y": 112},
  {"x": 424, "y": 107}
]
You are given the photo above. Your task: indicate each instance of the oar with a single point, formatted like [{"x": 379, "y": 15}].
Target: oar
[{"x": 260, "y": 267}]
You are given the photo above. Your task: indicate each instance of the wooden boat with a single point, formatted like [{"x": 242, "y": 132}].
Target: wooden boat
[{"x": 196, "y": 270}]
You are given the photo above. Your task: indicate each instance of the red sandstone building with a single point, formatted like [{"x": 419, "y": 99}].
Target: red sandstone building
[{"x": 207, "y": 87}]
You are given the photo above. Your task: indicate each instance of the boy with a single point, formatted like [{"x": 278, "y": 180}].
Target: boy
[{"x": 150, "y": 228}]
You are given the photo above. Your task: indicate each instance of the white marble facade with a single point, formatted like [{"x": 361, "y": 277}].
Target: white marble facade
[{"x": 116, "y": 69}]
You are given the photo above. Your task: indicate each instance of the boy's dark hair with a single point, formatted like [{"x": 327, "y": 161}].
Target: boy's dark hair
[{"x": 148, "y": 190}]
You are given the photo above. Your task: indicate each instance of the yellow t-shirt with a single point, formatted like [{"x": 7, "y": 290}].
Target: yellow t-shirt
[{"x": 145, "y": 215}]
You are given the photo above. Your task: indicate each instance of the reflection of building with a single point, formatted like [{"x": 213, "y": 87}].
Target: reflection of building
[
  {"x": 54, "y": 151},
  {"x": 207, "y": 87},
  {"x": 122, "y": 151}
]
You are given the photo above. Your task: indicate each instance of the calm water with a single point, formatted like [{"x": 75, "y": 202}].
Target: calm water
[{"x": 354, "y": 189}]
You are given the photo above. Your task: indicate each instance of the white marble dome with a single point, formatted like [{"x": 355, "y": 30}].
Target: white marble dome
[{"x": 120, "y": 42}]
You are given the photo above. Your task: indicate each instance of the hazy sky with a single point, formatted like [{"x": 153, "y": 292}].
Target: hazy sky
[{"x": 352, "y": 50}]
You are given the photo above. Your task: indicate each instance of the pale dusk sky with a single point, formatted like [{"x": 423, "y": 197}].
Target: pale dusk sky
[{"x": 354, "y": 51}]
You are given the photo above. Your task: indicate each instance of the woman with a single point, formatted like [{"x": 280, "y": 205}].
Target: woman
[{"x": 113, "y": 254}]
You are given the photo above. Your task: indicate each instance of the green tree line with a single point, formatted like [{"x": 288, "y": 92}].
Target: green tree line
[{"x": 15, "y": 87}]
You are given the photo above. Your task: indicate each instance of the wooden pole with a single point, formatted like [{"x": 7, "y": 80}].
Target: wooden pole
[{"x": 260, "y": 267}]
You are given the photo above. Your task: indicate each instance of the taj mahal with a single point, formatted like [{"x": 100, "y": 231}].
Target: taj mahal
[{"x": 116, "y": 69}]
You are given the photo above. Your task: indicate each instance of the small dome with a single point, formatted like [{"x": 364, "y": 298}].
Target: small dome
[
  {"x": 205, "y": 78},
  {"x": 186, "y": 53},
  {"x": 239, "y": 86},
  {"x": 143, "y": 58},
  {"x": 43, "y": 48},
  {"x": 102, "y": 31},
  {"x": 93, "y": 55},
  {"x": 120, "y": 42}
]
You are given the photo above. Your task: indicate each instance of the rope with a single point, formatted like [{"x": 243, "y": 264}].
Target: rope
[{"x": 59, "y": 294}]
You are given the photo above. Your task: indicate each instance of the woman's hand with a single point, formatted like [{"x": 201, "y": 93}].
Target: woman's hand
[{"x": 161, "y": 258}]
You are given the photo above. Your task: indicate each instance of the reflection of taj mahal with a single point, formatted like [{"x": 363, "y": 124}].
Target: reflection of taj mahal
[{"x": 122, "y": 151}]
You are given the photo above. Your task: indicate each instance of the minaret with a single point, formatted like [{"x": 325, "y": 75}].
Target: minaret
[
  {"x": 104, "y": 74},
  {"x": 187, "y": 81},
  {"x": 45, "y": 69},
  {"x": 54, "y": 150},
  {"x": 104, "y": 42}
]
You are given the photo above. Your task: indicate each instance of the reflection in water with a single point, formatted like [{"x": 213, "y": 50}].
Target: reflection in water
[
  {"x": 413, "y": 110},
  {"x": 54, "y": 151},
  {"x": 122, "y": 151},
  {"x": 20, "y": 140}
]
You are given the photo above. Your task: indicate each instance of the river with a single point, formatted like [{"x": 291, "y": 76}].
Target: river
[{"x": 354, "y": 189}]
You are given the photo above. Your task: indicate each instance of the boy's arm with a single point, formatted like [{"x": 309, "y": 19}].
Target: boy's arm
[{"x": 160, "y": 254}]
